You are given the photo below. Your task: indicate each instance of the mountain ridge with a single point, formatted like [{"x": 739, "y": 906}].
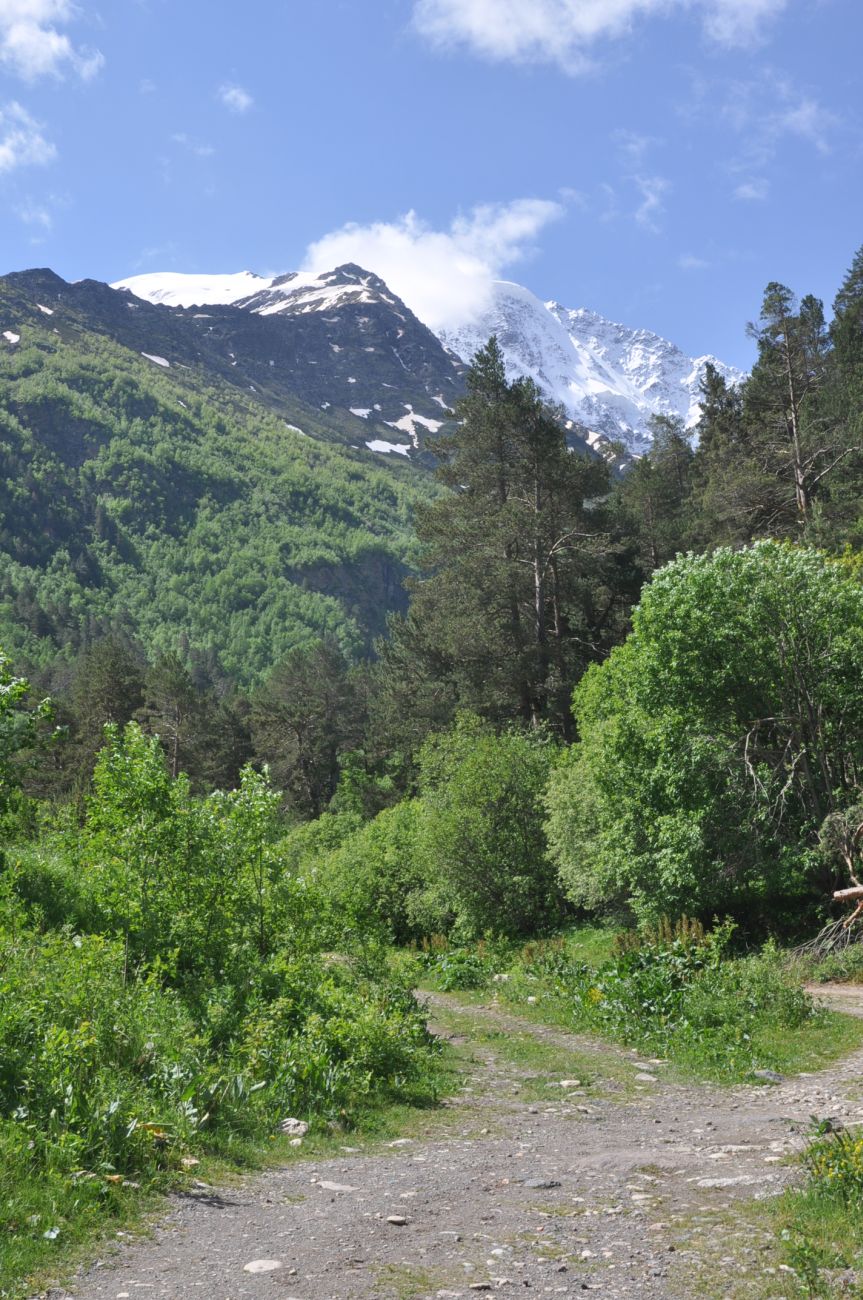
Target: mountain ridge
[{"x": 610, "y": 379}]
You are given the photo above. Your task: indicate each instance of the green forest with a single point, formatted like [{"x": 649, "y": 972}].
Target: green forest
[{"x": 285, "y": 734}]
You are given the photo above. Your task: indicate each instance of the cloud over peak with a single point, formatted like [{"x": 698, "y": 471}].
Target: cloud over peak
[{"x": 445, "y": 276}]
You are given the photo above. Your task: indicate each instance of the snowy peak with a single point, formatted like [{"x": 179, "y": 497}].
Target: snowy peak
[
  {"x": 298, "y": 291},
  {"x": 608, "y": 377},
  {"x": 174, "y": 290},
  {"x": 301, "y": 291},
  {"x": 340, "y": 340}
]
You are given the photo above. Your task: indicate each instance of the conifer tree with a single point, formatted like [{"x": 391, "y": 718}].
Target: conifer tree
[{"x": 513, "y": 601}]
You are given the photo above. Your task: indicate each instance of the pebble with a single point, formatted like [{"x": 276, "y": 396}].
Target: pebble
[
  {"x": 543, "y": 1184},
  {"x": 263, "y": 1266},
  {"x": 294, "y": 1127},
  {"x": 397, "y": 1220}
]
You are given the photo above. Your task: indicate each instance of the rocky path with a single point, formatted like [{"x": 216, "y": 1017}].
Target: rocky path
[{"x": 612, "y": 1180}]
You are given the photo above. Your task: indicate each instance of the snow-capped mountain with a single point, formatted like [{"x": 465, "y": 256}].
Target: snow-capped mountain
[
  {"x": 294, "y": 293},
  {"x": 607, "y": 377},
  {"x": 341, "y": 341}
]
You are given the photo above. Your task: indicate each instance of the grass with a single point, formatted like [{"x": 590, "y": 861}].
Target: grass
[
  {"x": 684, "y": 998},
  {"x": 406, "y": 1281},
  {"x": 542, "y": 1062},
  {"x": 811, "y": 1046}
]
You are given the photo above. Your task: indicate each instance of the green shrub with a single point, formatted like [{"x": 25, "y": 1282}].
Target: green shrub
[
  {"x": 481, "y": 838},
  {"x": 712, "y": 740},
  {"x": 90, "y": 1055},
  {"x": 460, "y": 969},
  {"x": 374, "y": 880},
  {"x": 332, "y": 1040}
]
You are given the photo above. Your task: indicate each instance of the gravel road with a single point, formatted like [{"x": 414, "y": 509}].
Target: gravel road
[{"x": 630, "y": 1186}]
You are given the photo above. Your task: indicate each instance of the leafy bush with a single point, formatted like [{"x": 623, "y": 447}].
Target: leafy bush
[
  {"x": 97, "y": 1066},
  {"x": 188, "y": 882},
  {"x": 713, "y": 740},
  {"x": 481, "y": 837},
  {"x": 373, "y": 881},
  {"x": 460, "y": 969}
]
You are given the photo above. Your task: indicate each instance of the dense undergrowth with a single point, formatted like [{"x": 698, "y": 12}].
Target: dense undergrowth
[
  {"x": 165, "y": 998},
  {"x": 678, "y": 993}
]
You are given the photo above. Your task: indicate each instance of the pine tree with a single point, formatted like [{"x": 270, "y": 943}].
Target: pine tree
[
  {"x": 173, "y": 710},
  {"x": 655, "y": 497},
  {"x": 780, "y": 402},
  {"x": 303, "y": 717},
  {"x": 513, "y": 601}
]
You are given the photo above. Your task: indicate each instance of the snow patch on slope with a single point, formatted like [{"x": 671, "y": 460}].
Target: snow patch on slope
[
  {"x": 176, "y": 290},
  {"x": 378, "y": 444}
]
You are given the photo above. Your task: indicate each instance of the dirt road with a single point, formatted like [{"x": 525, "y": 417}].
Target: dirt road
[{"x": 612, "y": 1180}]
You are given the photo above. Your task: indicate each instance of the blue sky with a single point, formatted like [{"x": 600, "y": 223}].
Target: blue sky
[{"x": 656, "y": 160}]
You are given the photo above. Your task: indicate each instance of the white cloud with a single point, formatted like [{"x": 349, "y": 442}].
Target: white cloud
[
  {"x": 36, "y": 214},
  {"x": 689, "y": 262},
  {"x": 193, "y": 146},
  {"x": 22, "y": 143},
  {"x": 563, "y": 31},
  {"x": 652, "y": 190},
  {"x": 32, "y": 45},
  {"x": 754, "y": 191},
  {"x": 235, "y": 98},
  {"x": 443, "y": 275},
  {"x": 739, "y": 22}
]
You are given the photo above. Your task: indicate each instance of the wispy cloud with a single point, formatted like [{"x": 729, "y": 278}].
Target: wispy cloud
[
  {"x": 22, "y": 142},
  {"x": 753, "y": 191},
  {"x": 768, "y": 113},
  {"x": 33, "y": 45},
  {"x": 652, "y": 206},
  {"x": 689, "y": 262},
  {"x": 235, "y": 98},
  {"x": 564, "y": 32},
  {"x": 445, "y": 276},
  {"x": 633, "y": 147},
  {"x": 193, "y": 146},
  {"x": 37, "y": 215},
  {"x": 772, "y": 107}
]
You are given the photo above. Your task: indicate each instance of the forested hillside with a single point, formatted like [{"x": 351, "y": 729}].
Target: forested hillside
[{"x": 153, "y": 502}]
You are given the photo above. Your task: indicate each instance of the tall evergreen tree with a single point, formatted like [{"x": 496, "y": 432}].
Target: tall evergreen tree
[
  {"x": 515, "y": 597},
  {"x": 303, "y": 718},
  {"x": 654, "y": 498}
]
